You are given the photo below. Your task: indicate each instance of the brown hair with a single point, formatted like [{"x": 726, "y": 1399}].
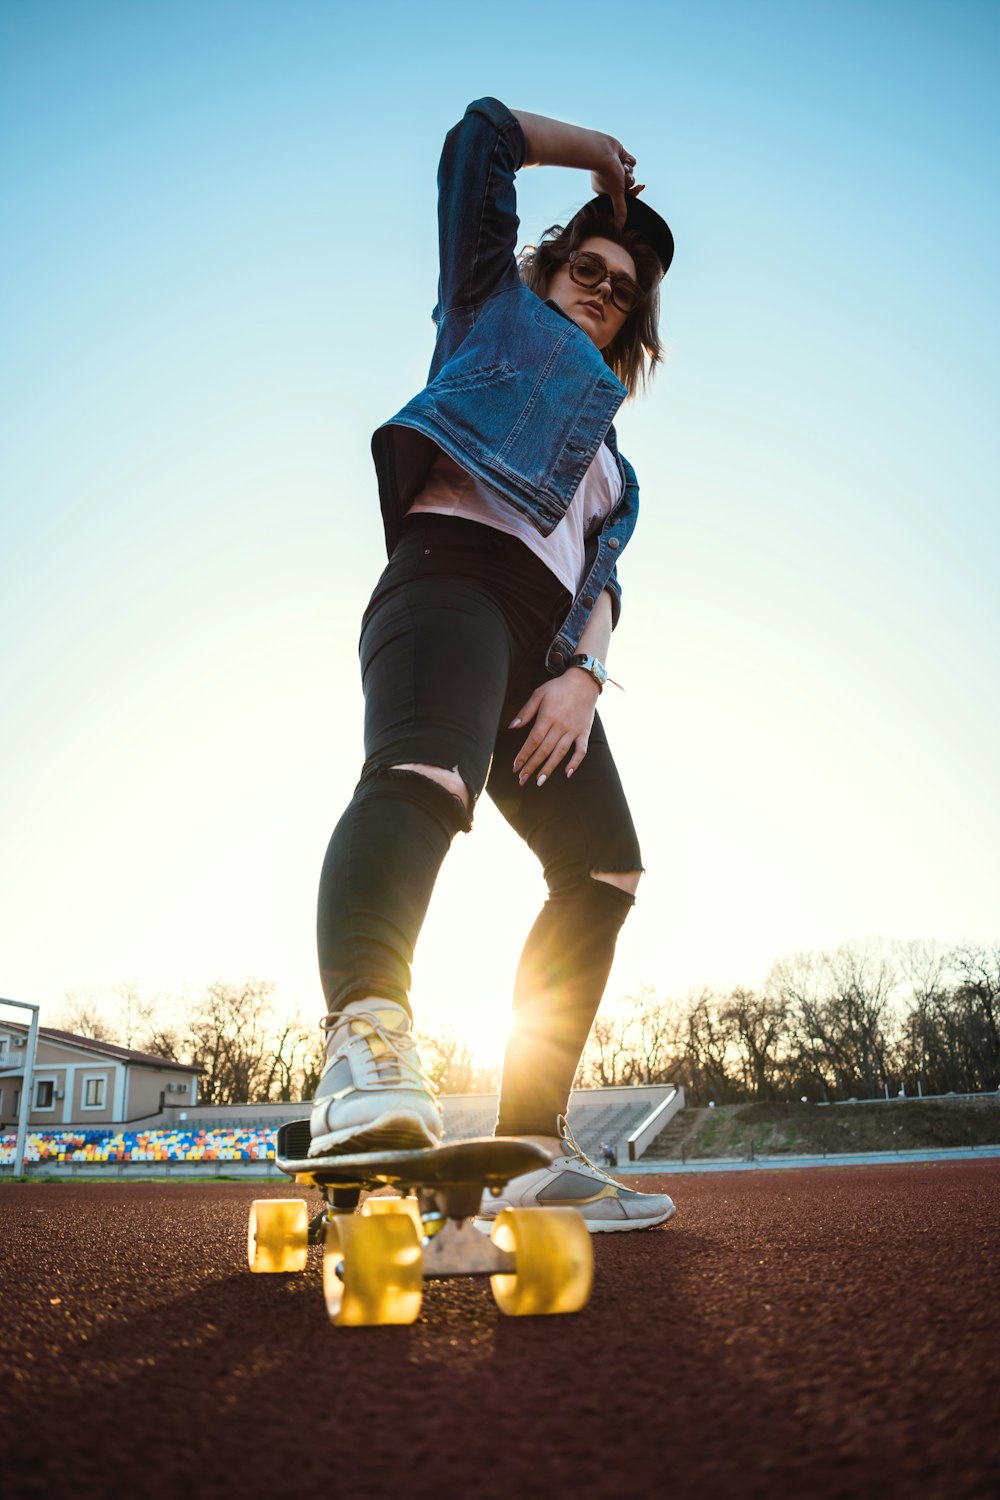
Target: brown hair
[{"x": 635, "y": 351}]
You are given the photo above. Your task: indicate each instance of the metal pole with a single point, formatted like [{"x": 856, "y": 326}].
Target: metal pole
[{"x": 29, "y": 1078}]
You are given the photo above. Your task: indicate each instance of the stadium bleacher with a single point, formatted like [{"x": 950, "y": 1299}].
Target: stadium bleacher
[
  {"x": 590, "y": 1125},
  {"x": 595, "y": 1116},
  {"x": 142, "y": 1146}
]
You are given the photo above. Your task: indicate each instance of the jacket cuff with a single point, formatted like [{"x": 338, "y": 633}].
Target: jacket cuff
[
  {"x": 614, "y": 588},
  {"x": 504, "y": 123}
]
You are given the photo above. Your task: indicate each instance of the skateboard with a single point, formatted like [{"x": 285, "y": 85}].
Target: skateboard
[{"x": 375, "y": 1262}]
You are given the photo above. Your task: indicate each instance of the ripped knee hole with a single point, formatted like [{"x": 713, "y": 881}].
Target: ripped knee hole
[
  {"x": 448, "y": 778},
  {"x": 625, "y": 880}
]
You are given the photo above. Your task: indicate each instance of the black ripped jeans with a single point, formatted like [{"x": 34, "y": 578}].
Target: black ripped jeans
[{"x": 453, "y": 642}]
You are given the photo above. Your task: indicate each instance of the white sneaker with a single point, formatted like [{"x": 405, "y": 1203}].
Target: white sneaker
[
  {"x": 572, "y": 1180},
  {"x": 372, "y": 1094}
]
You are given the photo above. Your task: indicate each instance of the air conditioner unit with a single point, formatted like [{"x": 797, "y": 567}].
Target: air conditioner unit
[
  {"x": 60, "y": 1093},
  {"x": 20, "y": 1042}
]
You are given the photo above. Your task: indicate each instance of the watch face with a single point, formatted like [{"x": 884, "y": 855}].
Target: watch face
[{"x": 599, "y": 671}]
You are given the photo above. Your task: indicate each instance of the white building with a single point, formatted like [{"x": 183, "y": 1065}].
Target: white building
[{"x": 81, "y": 1083}]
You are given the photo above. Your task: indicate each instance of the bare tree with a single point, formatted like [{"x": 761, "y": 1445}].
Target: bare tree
[
  {"x": 978, "y": 972},
  {"x": 628, "y": 1043},
  {"x": 309, "y": 1065},
  {"x": 230, "y": 1035},
  {"x": 135, "y": 1013},
  {"x": 295, "y": 1064},
  {"x": 121, "y": 1015},
  {"x": 862, "y": 979},
  {"x": 449, "y": 1063},
  {"x": 841, "y": 1027},
  {"x": 84, "y": 1013},
  {"x": 712, "y": 1059},
  {"x": 249, "y": 1052},
  {"x": 606, "y": 1059},
  {"x": 657, "y": 1037},
  {"x": 758, "y": 1027},
  {"x": 167, "y": 1041},
  {"x": 928, "y": 1054},
  {"x": 797, "y": 984}
]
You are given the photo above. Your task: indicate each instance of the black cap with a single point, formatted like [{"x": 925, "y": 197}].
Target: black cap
[{"x": 641, "y": 220}]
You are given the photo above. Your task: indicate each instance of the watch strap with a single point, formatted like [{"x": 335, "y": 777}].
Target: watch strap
[{"x": 594, "y": 668}]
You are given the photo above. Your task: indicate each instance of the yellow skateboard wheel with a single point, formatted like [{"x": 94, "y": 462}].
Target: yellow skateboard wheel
[
  {"x": 409, "y": 1206},
  {"x": 278, "y": 1234},
  {"x": 555, "y": 1261},
  {"x": 372, "y": 1269}
]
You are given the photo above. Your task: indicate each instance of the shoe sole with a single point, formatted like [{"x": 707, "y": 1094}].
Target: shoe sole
[
  {"x": 596, "y": 1226},
  {"x": 390, "y": 1132}
]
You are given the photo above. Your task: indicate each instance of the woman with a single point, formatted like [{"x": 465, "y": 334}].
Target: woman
[{"x": 506, "y": 506}]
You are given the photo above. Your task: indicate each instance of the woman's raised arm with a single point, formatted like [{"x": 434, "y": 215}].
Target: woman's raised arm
[{"x": 553, "y": 143}]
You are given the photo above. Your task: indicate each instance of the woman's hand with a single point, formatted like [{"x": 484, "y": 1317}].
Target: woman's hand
[
  {"x": 616, "y": 177},
  {"x": 563, "y": 710}
]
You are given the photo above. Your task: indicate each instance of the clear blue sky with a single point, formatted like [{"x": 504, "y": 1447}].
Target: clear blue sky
[{"x": 218, "y": 257}]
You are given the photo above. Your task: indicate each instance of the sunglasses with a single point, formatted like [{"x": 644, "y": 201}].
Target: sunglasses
[{"x": 589, "y": 270}]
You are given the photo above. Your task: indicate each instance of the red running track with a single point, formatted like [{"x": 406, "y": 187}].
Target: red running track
[{"x": 819, "y": 1333}]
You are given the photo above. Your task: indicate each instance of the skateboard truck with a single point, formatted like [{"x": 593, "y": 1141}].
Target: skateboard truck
[{"x": 460, "y": 1250}]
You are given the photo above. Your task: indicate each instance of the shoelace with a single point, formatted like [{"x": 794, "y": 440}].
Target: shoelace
[
  {"x": 569, "y": 1138},
  {"x": 388, "y": 1065}
]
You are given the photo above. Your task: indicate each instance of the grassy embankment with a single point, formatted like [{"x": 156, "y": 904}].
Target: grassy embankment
[{"x": 787, "y": 1129}]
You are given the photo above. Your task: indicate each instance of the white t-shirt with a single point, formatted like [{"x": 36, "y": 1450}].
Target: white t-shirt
[{"x": 451, "y": 491}]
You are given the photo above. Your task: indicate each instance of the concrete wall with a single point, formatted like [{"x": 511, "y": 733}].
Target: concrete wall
[
  {"x": 147, "y": 1092},
  {"x": 658, "y": 1118},
  {"x": 191, "y": 1117},
  {"x": 276, "y": 1114}
]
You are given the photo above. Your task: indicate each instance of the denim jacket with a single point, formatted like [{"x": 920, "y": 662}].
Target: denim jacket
[{"x": 517, "y": 394}]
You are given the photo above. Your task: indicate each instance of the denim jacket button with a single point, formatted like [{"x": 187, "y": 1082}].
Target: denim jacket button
[
  {"x": 557, "y": 657},
  {"x": 588, "y": 603},
  {"x": 613, "y": 544}
]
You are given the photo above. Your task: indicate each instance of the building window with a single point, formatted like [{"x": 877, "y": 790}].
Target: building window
[
  {"x": 93, "y": 1093},
  {"x": 45, "y": 1094}
]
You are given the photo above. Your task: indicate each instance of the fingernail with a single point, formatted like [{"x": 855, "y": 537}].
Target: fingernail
[
  {"x": 517, "y": 766},
  {"x": 541, "y": 780},
  {"x": 514, "y": 724},
  {"x": 521, "y": 780},
  {"x": 570, "y": 772}
]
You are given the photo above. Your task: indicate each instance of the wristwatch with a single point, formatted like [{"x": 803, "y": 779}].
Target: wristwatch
[{"x": 594, "y": 668}]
